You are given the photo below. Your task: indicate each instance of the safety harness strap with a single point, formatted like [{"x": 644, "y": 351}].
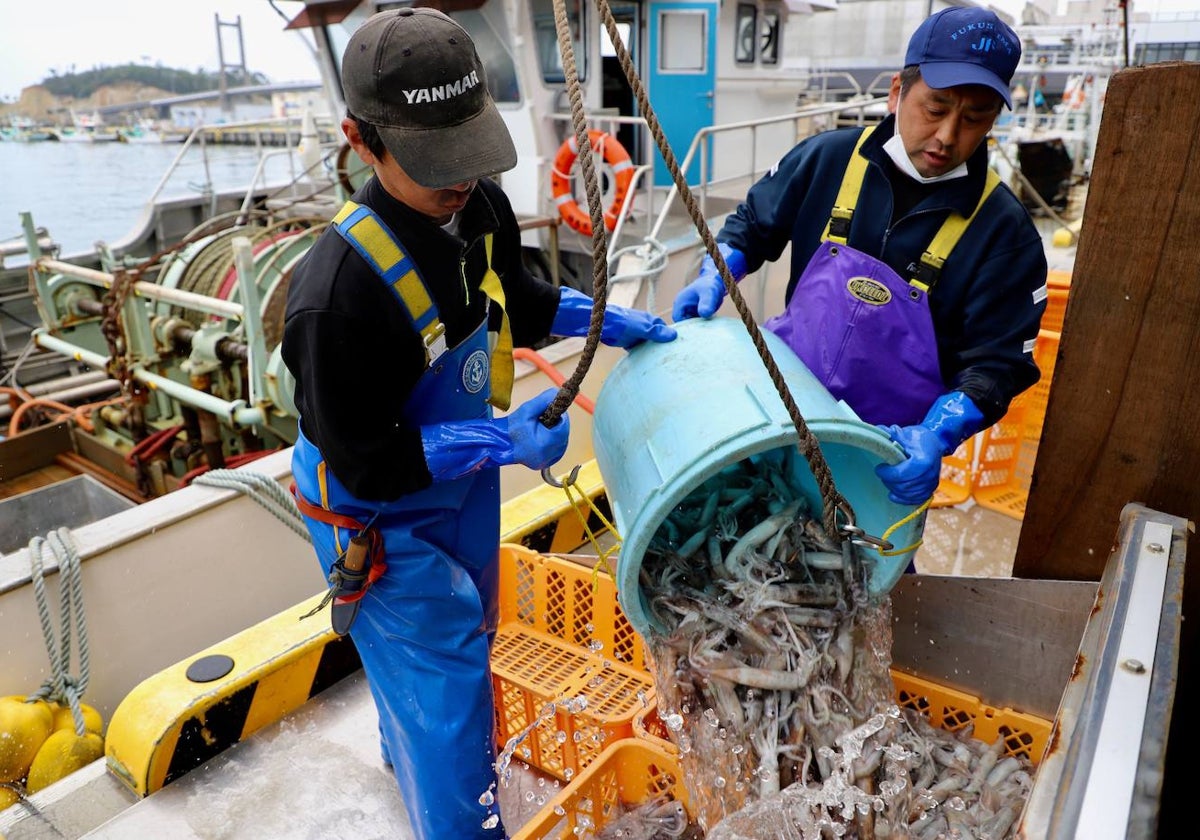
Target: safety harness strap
[
  {"x": 838, "y": 226},
  {"x": 381, "y": 248},
  {"x": 925, "y": 273},
  {"x": 375, "y": 568},
  {"x": 503, "y": 369}
]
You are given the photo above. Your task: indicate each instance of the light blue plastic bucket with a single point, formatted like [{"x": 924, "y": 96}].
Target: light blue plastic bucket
[{"x": 672, "y": 415}]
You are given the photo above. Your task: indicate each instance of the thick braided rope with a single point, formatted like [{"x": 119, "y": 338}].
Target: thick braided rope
[
  {"x": 570, "y": 388},
  {"x": 832, "y": 500},
  {"x": 262, "y": 489},
  {"x": 60, "y": 686}
]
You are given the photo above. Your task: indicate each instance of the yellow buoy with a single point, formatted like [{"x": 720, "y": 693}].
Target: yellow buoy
[
  {"x": 62, "y": 754},
  {"x": 8, "y": 796},
  {"x": 92, "y": 722},
  {"x": 24, "y": 727}
]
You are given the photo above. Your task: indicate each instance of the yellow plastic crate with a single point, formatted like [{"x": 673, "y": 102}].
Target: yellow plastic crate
[
  {"x": 626, "y": 774},
  {"x": 561, "y": 637},
  {"x": 945, "y": 708}
]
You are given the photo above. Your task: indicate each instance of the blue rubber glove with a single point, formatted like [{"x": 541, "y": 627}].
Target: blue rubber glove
[
  {"x": 951, "y": 419},
  {"x": 623, "y": 327},
  {"x": 703, "y": 296},
  {"x": 461, "y": 447}
]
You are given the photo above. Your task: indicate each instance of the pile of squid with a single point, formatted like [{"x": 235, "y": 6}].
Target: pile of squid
[{"x": 773, "y": 679}]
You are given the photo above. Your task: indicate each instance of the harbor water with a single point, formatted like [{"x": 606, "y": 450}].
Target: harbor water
[{"x": 88, "y": 192}]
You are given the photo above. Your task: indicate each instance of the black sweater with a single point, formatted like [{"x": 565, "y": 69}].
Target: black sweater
[{"x": 354, "y": 353}]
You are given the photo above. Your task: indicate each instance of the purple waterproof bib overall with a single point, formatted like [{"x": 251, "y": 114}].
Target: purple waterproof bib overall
[{"x": 865, "y": 333}]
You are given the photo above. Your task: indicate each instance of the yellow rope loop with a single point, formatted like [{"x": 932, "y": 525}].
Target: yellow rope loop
[
  {"x": 583, "y": 506},
  {"x": 893, "y": 552}
]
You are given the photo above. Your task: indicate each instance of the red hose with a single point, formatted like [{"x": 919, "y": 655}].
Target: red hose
[{"x": 539, "y": 361}]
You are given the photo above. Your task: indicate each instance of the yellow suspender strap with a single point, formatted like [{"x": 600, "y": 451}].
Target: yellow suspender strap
[
  {"x": 925, "y": 273},
  {"x": 383, "y": 251},
  {"x": 838, "y": 226},
  {"x": 502, "y": 353}
]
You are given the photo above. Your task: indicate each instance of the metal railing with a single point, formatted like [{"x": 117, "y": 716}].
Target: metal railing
[{"x": 700, "y": 146}]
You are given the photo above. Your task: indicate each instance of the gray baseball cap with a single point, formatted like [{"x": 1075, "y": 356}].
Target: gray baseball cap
[{"x": 414, "y": 74}]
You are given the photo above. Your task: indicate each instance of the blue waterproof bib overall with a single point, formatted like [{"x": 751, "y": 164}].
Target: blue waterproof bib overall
[
  {"x": 864, "y": 331},
  {"x": 426, "y": 626}
]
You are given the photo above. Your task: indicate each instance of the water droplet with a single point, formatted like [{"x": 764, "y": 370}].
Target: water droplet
[
  {"x": 487, "y": 798},
  {"x": 491, "y": 822},
  {"x": 719, "y": 781}
]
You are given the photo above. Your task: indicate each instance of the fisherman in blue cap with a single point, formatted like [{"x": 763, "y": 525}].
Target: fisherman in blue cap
[
  {"x": 400, "y": 325},
  {"x": 918, "y": 281}
]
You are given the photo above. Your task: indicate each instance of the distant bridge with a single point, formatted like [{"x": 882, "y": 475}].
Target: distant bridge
[{"x": 165, "y": 102}]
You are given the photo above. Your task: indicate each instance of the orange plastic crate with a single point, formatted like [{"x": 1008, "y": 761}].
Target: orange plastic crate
[
  {"x": 1035, "y": 400},
  {"x": 1056, "y": 308},
  {"x": 561, "y": 638},
  {"x": 945, "y": 708},
  {"x": 626, "y": 774},
  {"x": 1005, "y": 467}
]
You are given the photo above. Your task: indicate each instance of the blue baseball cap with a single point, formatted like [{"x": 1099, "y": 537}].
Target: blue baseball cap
[{"x": 965, "y": 45}]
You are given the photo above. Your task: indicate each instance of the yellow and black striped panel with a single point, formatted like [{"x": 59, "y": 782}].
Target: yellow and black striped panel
[
  {"x": 170, "y": 723},
  {"x": 543, "y": 519}
]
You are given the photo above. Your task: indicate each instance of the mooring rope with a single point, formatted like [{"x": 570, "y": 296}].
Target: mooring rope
[
  {"x": 262, "y": 489},
  {"x": 61, "y": 686}
]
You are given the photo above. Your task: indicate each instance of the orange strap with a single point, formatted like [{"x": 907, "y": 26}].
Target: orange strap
[{"x": 376, "y": 553}]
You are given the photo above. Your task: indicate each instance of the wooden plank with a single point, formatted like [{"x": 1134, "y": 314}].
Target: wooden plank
[
  {"x": 33, "y": 449},
  {"x": 1123, "y": 419}
]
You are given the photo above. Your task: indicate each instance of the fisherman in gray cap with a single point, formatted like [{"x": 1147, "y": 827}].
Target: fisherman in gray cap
[{"x": 401, "y": 322}]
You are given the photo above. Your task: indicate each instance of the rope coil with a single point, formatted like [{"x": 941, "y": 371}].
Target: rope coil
[{"x": 61, "y": 686}]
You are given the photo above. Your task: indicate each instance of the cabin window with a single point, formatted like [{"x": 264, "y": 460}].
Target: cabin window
[
  {"x": 769, "y": 37},
  {"x": 679, "y": 33},
  {"x": 549, "y": 58},
  {"x": 745, "y": 45}
]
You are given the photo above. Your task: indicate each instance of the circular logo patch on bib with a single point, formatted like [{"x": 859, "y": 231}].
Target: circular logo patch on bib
[
  {"x": 868, "y": 290},
  {"x": 475, "y": 372}
]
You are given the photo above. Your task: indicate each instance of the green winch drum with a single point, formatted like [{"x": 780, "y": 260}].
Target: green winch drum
[{"x": 672, "y": 415}]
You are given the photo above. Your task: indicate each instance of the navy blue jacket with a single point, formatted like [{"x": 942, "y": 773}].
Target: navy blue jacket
[
  {"x": 356, "y": 356},
  {"x": 989, "y": 300}
]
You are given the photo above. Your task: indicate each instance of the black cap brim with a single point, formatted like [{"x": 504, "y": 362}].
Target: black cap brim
[{"x": 448, "y": 155}]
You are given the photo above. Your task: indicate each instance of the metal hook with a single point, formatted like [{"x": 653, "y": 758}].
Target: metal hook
[
  {"x": 553, "y": 482},
  {"x": 857, "y": 535},
  {"x": 861, "y": 538}
]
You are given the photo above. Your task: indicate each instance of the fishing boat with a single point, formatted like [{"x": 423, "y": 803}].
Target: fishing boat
[{"x": 191, "y": 572}]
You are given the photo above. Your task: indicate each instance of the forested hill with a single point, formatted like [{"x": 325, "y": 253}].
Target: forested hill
[{"x": 83, "y": 85}]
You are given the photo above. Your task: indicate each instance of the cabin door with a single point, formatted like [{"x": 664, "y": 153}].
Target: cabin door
[{"x": 682, "y": 76}]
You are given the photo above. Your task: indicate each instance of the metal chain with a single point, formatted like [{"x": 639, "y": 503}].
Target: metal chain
[
  {"x": 60, "y": 686},
  {"x": 832, "y": 500},
  {"x": 111, "y": 327}
]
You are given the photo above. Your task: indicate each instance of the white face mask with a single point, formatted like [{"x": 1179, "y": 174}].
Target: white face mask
[{"x": 895, "y": 150}]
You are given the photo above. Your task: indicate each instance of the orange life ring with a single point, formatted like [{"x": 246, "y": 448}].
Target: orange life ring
[{"x": 560, "y": 183}]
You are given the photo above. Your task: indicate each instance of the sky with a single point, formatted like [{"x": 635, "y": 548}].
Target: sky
[{"x": 36, "y": 38}]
